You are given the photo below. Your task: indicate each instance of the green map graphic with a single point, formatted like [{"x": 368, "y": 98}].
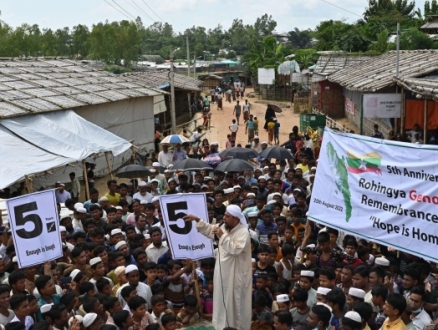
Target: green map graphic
[{"x": 341, "y": 178}]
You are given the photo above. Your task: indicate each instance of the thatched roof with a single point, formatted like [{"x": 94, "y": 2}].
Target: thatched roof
[
  {"x": 380, "y": 71},
  {"x": 427, "y": 87},
  {"x": 158, "y": 78},
  {"x": 330, "y": 64}
]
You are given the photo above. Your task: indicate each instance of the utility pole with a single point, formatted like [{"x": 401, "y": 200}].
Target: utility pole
[
  {"x": 172, "y": 93},
  {"x": 188, "y": 55},
  {"x": 194, "y": 66}
]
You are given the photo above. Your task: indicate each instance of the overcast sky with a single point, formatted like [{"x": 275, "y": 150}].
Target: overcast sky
[{"x": 181, "y": 14}]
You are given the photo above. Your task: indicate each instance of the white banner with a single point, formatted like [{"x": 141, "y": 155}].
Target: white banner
[
  {"x": 381, "y": 105},
  {"x": 184, "y": 240},
  {"x": 265, "y": 76},
  {"x": 34, "y": 225},
  {"x": 383, "y": 191}
]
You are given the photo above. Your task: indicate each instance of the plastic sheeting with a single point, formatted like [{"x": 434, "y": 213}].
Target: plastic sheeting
[
  {"x": 66, "y": 134},
  {"x": 20, "y": 158}
]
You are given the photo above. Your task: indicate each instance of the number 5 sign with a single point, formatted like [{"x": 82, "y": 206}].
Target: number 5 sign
[
  {"x": 34, "y": 224},
  {"x": 184, "y": 240}
]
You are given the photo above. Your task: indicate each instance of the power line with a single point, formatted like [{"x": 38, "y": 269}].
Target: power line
[
  {"x": 117, "y": 9},
  {"x": 341, "y": 8},
  {"x": 129, "y": 14},
  {"x": 153, "y": 11},
  {"x": 138, "y": 8}
]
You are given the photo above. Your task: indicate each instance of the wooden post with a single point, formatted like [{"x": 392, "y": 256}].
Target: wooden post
[
  {"x": 425, "y": 121},
  {"x": 403, "y": 112},
  {"x": 108, "y": 165},
  {"x": 196, "y": 286},
  {"x": 28, "y": 184},
  {"x": 87, "y": 188}
]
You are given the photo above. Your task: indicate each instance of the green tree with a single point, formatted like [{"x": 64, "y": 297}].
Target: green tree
[
  {"x": 383, "y": 7},
  {"x": 264, "y": 25},
  {"x": 79, "y": 37},
  {"x": 381, "y": 45},
  {"x": 264, "y": 54},
  {"x": 300, "y": 39},
  {"x": 306, "y": 57},
  {"x": 330, "y": 33},
  {"x": 414, "y": 39}
]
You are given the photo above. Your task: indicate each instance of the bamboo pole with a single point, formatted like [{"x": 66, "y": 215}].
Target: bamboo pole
[
  {"x": 108, "y": 164},
  {"x": 87, "y": 188},
  {"x": 196, "y": 286},
  {"x": 28, "y": 184},
  {"x": 425, "y": 121}
]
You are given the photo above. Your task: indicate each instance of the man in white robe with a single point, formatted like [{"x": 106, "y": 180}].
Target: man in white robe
[{"x": 233, "y": 270}]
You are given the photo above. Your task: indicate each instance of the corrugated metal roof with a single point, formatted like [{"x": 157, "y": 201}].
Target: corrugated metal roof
[
  {"x": 41, "y": 85},
  {"x": 330, "y": 64},
  {"x": 158, "y": 78},
  {"x": 379, "y": 72}
]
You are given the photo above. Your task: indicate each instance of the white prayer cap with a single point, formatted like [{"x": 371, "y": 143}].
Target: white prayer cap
[
  {"x": 119, "y": 270},
  {"x": 147, "y": 236},
  {"x": 236, "y": 211},
  {"x": 310, "y": 246},
  {"x": 89, "y": 319},
  {"x": 207, "y": 178},
  {"x": 82, "y": 210},
  {"x": 282, "y": 298},
  {"x": 266, "y": 168},
  {"x": 313, "y": 168},
  {"x": 325, "y": 305},
  {"x": 323, "y": 291},
  {"x": 46, "y": 308},
  {"x": 253, "y": 214},
  {"x": 250, "y": 195},
  {"x": 307, "y": 273},
  {"x": 156, "y": 164},
  {"x": 264, "y": 142},
  {"x": 237, "y": 187},
  {"x": 103, "y": 199},
  {"x": 256, "y": 137},
  {"x": 352, "y": 315},
  {"x": 272, "y": 201},
  {"x": 78, "y": 205},
  {"x": 297, "y": 189},
  {"x": 204, "y": 186},
  {"x": 155, "y": 199},
  {"x": 253, "y": 260},
  {"x": 95, "y": 261},
  {"x": 276, "y": 194},
  {"x": 311, "y": 175},
  {"x": 15, "y": 259},
  {"x": 129, "y": 183},
  {"x": 130, "y": 268},
  {"x": 116, "y": 231},
  {"x": 120, "y": 244},
  {"x": 79, "y": 318},
  {"x": 118, "y": 207},
  {"x": 74, "y": 273},
  {"x": 64, "y": 214},
  {"x": 382, "y": 262},
  {"x": 62, "y": 229},
  {"x": 228, "y": 191},
  {"x": 152, "y": 170},
  {"x": 144, "y": 202},
  {"x": 214, "y": 143},
  {"x": 142, "y": 184},
  {"x": 358, "y": 293}
]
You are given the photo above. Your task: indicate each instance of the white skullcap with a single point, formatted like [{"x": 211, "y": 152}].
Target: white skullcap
[
  {"x": 250, "y": 195},
  {"x": 266, "y": 168},
  {"x": 229, "y": 191},
  {"x": 297, "y": 189},
  {"x": 313, "y": 168},
  {"x": 15, "y": 259},
  {"x": 130, "y": 268},
  {"x": 204, "y": 186},
  {"x": 103, "y": 199},
  {"x": 152, "y": 170},
  {"x": 142, "y": 184},
  {"x": 155, "y": 199},
  {"x": 382, "y": 262},
  {"x": 118, "y": 207},
  {"x": 78, "y": 205},
  {"x": 62, "y": 229},
  {"x": 129, "y": 183},
  {"x": 256, "y": 137},
  {"x": 64, "y": 214},
  {"x": 282, "y": 298},
  {"x": 207, "y": 178},
  {"x": 311, "y": 246},
  {"x": 253, "y": 214},
  {"x": 119, "y": 270},
  {"x": 95, "y": 261},
  {"x": 46, "y": 308},
  {"x": 276, "y": 194},
  {"x": 79, "y": 318},
  {"x": 253, "y": 260},
  {"x": 323, "y": 291},
  {"x": 147, "y": 236},
  {"x": 74, "y": 273},
  {"x": 358, "y": 293},
  {"x": 325, "y": 305},
  {"x": 272, "y": 201},
  {"x": 82, "y": 210},
  {"x": 237, "y": 187},
  {"x": 144, "y": 202},
  {"x": 116, "y": 231},
  {"x": 307, "y": 273},
  {"x": 214, "y": 143},
  {"x": 264, "y": 142},
  {"x": 120, "y": 244},
  {"x": 156, "y": 164},
  {"x": 89, "y": 319},
  {"x": 352, "y": 315},
  {"x": 236, "y": 211}
]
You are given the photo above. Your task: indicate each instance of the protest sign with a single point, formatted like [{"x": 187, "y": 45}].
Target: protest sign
[
  {"x": 34, "y": 223},
  {"x": 184, "y": 240},
  {"x": 383, "y": 191}
]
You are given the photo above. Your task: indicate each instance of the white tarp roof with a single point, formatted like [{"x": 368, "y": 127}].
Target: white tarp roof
[{"x": 37, "y": 143}]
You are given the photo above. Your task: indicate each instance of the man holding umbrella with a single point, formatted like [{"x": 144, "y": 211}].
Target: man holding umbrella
[{"x": 178, "y": 154}]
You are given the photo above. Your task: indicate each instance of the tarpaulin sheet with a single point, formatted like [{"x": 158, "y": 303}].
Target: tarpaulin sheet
[{"x": 67, "y": 134}]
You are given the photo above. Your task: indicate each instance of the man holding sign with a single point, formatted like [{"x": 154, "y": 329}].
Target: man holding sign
[{"x": 232, "y": 276}]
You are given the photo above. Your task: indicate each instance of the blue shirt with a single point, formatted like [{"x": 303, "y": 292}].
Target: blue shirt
[
  {"x": 180, "y": 155},
  {"x": 250, "y": 124},
  {"x": 56, "y": 301},
  {"x": 263, "y": 231}
]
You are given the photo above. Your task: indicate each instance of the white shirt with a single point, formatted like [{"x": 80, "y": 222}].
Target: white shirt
[
  {"x": 421, "y": 320},
  {"x": 77, "y": 224},
  {"x": 234, "y": 128},
  {"x": 140, "y": 197},
  {"x": 143, "y": 290},
  {"x": 165, "y": 158},
  {"x": 153, "y": 253},
  {"x": 163, "y": 231},
  {"x": 28, "y": 321}
]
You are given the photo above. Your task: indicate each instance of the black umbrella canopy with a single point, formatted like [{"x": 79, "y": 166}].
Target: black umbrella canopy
[
  {"x": 238, "y": 153},
  {"x": 191, "y": 164},
  {"x": 279, "y": 153},
  {"x": 132, "y": 171},
  {"x": 234, "y": 165}
]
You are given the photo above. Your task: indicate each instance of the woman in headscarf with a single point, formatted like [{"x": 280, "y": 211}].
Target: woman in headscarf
[{"x": 269, "y": 114}]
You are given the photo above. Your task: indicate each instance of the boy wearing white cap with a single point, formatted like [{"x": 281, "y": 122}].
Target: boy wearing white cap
[
  {"x": 283, "y": 302},
  {"x": 321, "y": 293},
  {"x": 143, "y": 290},
  {"x": 354, "y": 295},
  {"x": 98, "y": 270},
  {"x": 306, "y": 281}
]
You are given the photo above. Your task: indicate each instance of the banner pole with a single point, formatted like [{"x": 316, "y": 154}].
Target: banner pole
[{"x": 196, "y": 286}]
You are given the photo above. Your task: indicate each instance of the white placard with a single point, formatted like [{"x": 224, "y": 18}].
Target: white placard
[
  {"x": 34, "y": 223},
  {"x": 383, "y": 191},
  {"x": 184, "y": 240},
  {"x": 381, "y": 105},
  {"x": 266, "y": 76}
]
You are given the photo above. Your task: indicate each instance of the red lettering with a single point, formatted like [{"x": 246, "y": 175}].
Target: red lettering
[{"x": 422, "y": 198}]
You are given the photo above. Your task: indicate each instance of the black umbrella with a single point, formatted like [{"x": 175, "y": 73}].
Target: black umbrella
[
  {"x": 191, "y": 164},
  {"x": 238, "y": 153},
  {"x": 279, "y": 153},
  {"x": 234, "y": 165},
  {"x": 132, "y": 171}
]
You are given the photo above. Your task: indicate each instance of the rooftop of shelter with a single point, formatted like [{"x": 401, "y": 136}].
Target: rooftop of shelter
[{"x": 49, "y": 84}]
